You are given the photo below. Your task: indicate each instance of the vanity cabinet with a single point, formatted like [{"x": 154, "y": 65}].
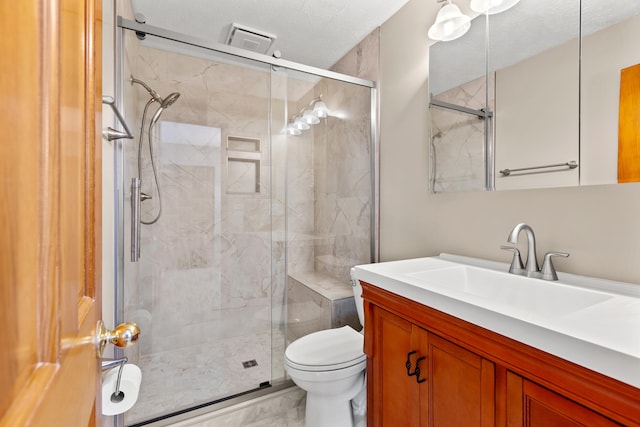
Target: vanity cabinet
[
  {"x": 422, "y": 379},
  {"x": 469, "y": 376}
]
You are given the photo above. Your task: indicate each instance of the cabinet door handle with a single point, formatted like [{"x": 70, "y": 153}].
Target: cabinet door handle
[
  {"x": 408, "y": 363},
  {"x": 416, "y": 371}
]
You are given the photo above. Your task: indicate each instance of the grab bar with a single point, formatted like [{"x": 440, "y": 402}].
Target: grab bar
[
  {"x": 572, "y": 165},
  {"x": 110, "y": 133}
]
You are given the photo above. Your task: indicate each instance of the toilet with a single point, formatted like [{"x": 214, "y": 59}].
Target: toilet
[{"x": 330, "y": 366}]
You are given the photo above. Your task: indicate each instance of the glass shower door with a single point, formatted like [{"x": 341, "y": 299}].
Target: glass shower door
[{"x": 202, "y": 288}]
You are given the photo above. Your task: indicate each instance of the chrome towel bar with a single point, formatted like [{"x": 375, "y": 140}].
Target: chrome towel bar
[{"x": 572, "y": 165}]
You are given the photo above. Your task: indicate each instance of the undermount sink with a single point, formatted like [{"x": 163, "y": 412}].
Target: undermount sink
[{"x": 508, "y": 291}]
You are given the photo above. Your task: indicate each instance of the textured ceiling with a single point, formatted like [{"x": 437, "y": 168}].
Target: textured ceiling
[{"x": 311, "y": 32}]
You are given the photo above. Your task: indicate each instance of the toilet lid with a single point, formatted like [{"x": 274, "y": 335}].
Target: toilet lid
[{"x": 331, "y": 348}]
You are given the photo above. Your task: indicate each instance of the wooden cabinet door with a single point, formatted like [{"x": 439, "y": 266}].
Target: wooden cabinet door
[
  {"x": 530, "y": 405},
  {"x": 49, "y": 212},
  {"x": 454, "y": 388},
  {"x": 461, "y": 389},
  {"x": 394, "y": 396}
]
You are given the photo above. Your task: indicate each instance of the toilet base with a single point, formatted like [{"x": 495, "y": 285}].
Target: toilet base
[{"x": 323, "y": 411}]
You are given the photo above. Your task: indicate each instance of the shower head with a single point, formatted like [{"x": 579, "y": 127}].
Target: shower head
[
  {"x": 170, "y": 99},
  {"x": 152, "y": 92},
  {"x": 164, "y": 103}
]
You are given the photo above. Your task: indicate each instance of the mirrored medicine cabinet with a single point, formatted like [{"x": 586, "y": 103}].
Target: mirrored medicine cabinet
[{"x": 531, "y": 97}]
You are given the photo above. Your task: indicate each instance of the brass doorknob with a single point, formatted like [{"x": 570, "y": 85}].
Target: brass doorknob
[{"x": 124, "y": 335}]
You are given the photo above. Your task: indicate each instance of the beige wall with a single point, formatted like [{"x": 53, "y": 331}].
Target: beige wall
[{"x": 598, "y": 225}]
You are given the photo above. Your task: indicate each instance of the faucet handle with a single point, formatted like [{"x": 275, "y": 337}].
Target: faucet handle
[
  {"x": 516, "y": 263},
  {"x": 548, "y": 271}
]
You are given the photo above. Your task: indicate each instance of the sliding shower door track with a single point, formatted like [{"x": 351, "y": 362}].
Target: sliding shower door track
[
  {"x": 216, "y": 405},
  {"x": 242, "y": 53}
]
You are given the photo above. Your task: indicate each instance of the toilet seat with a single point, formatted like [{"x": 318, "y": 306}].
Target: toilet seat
[{"x": 331, "y": 349}]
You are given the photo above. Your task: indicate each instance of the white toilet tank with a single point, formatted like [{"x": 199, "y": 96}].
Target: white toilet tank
[{"x": 357, "y": 294}]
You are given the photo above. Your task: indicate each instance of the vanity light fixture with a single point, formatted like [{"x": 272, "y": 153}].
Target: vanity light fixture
[
  {"x": 491, "y": 7},
  {"x": 320, "y": 108},
  {"x": 450, "y": 23},
  {"x": 308, "y": 116},
  {"x": 300, "y": 123},
  {"x": 292, "y": 130}
]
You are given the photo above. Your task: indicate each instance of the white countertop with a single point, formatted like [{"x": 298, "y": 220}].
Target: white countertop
[{"x": 604, "y": 337}]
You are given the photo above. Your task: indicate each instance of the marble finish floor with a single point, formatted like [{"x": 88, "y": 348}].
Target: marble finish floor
[{"x": 184, "y": 377}]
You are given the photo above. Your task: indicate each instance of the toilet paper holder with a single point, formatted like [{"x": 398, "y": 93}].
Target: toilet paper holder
[
  {"x": 107, "y": 364},
  {"x": 112, "y": 363}
]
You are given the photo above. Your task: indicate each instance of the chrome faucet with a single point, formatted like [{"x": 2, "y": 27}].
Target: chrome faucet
[
  {"x": 532, "y": 261},
  {"x": 548, "y": 272}
]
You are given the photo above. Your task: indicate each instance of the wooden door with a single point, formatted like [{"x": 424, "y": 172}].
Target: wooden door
[
  {"x": 629, "y": 125},
  {"x": 50, "y": 208},
  {"x": 393, "y": 395},
  {"x": 461, "y": 389},
  {"x": 531, "y": 405}
]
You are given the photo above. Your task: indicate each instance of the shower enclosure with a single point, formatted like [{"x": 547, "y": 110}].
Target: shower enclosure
[{"x": 247, "y": 199}]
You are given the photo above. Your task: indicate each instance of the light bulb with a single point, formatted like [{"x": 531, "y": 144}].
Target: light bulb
[
  {"x": 299, "y": 123},
  {"x": 320, "y": 109},
  {"x": 310, "y": 117},
  {"x": 450, "y": 23}
]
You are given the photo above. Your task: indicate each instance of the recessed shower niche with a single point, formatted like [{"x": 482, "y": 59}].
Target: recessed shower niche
[{"x": 243, "y": 165}]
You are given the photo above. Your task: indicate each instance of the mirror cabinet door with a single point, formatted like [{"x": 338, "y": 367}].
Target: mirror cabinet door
[
  {"x": 549, "y": 79},
  {"x": 534, "y": 54},
  {"x": 459, "y": 92}
]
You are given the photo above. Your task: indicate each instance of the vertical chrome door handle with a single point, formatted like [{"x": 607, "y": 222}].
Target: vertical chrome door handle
[{"x": 135, "y": 219}]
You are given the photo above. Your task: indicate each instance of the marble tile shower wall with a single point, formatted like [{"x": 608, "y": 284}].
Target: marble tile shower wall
[
  {"x": 329, "y": 198},
  {"x": 211, "y": 249},
  {"x": 457, "y": 139},
  {"x": 342, "y": 175}
]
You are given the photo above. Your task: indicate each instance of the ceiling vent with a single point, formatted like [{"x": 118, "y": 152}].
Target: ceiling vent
[{"x": 250, "y": 39}]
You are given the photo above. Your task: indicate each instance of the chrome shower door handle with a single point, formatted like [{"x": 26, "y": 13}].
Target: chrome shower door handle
[{"x": 135, "y": 219}]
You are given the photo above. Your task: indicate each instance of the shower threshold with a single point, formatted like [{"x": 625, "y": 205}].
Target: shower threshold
[{"x": 205, "y": 408}]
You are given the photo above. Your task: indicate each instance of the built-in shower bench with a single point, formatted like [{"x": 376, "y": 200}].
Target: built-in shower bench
[{"x": 317, "y": 301}]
